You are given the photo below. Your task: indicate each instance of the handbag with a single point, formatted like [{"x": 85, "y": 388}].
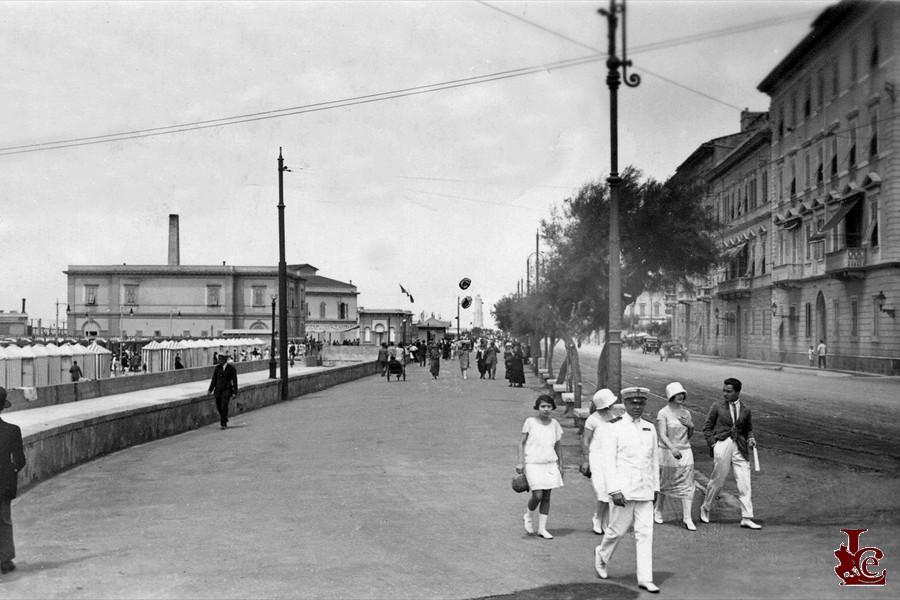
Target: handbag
[{"x": 520, "y": 483}]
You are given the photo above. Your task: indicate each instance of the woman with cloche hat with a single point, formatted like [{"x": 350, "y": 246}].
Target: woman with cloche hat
[
  {"x": 676, "y": 460},
  {"x": 601, "y": 404}
]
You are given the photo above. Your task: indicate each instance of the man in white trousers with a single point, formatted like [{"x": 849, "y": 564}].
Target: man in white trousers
[{"x": 631, "y": 472}]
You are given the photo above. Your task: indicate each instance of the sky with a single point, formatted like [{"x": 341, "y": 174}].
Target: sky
[{"x": 419, "y": 188}]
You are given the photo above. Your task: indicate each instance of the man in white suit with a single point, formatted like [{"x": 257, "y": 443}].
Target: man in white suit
[{"x": 631, "y": 471}]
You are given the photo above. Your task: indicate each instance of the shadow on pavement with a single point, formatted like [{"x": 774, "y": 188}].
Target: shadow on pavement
[{"x": 570, "y": 591}]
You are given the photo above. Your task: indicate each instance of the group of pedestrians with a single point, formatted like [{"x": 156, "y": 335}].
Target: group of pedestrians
[
  {"x": 487, "y": 355},
  {"x": 635, "y": 466}
]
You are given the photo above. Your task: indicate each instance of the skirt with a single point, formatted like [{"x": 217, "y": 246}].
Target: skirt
[
  {"x": 676, "y": 476},
  {"x": 543, "y": 476},
  {"x": 597, "y": 479}
]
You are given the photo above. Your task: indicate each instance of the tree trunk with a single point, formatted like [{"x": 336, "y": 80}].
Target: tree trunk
[
  {"x": 572, "y": 357},
  {"x": 603, "y": 368}
]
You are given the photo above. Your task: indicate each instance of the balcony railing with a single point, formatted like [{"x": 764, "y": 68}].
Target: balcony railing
[
  {"x": 787, "y": 272},
  {"x": 848, "y": 261},
  {"x": 739, "y": 286}
]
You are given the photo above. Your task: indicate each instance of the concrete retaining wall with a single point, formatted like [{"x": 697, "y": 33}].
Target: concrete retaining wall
[
  {"x": 344, "y": 354},
  {"x": 59, "y": 448},
  {"x": 98, "y": 388}
]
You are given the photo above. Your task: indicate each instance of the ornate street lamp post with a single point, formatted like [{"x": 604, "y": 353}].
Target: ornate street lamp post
[
  {"x": 282, "y": 284},
  {"x": 613, "y": 79}
]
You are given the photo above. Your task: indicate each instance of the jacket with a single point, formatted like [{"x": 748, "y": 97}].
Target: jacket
[
  {"x": 720, "y": 426},
  {"x": 12, "y": 458},
  {"x": 628, "y": 458},
  {"x": 224, "y": 381}
]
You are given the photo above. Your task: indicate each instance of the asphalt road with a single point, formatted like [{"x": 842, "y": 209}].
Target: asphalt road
[{"x": 401, "y": 490}]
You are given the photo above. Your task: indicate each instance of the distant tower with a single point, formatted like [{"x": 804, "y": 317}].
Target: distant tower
[{"x": 477, "y": 316}]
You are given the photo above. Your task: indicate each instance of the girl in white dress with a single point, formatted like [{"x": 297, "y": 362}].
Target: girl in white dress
[
  {"x": 540, "y": 459},
  {"x": 676, "y": 460}
]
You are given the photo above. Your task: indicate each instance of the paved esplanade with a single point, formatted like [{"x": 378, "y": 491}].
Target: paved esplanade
[{"x": 366, "y": 490}]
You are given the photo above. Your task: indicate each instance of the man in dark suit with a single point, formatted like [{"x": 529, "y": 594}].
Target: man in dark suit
[
  {"x": 12, "y": 460},
  {"x": 729, "y": 434},
  {"x": 224, "y": 385}
]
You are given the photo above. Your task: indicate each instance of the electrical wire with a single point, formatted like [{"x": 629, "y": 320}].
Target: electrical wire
[{"x": 380, "y": 96}]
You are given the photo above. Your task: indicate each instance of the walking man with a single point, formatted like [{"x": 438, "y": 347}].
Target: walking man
[
  {"x": 630, "y": 469},
  {"x": 75, "y": 371},
  {"x": 224, "y": 385},
  {"x": 729, "y": 433},
  {"x": 12, "y": 460},
  {"x": 821, "y": 350}
]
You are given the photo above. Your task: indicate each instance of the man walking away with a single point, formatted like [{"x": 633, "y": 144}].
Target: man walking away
[
  {"x": 12, "y": 460},
  {"x": 224, "y": 385},
  {"x": 821, "y": 351},
  {"x": 75, "y": 371}
]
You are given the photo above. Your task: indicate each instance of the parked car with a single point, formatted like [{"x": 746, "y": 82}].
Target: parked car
[
  {"x": 677, "y": 349},
  {"x": 651, "y": 345}
]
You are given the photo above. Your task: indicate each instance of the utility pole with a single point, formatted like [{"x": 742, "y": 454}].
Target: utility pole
[
  {"x": 282, "y": 283},
  {"x": 613, "y": 80}
]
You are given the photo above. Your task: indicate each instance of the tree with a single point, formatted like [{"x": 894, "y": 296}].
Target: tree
[{"x": 667, "y": 238}]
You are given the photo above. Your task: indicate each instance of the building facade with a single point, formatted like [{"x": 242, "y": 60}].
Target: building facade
[
  {"x": 384, "y": 325},
  {"x": 332, "y": 314}
]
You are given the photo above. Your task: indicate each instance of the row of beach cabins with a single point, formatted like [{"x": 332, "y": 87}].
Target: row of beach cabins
[{"x": 38, "y": 365}]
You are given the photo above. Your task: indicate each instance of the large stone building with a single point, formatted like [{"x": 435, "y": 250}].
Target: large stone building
[
  {"x": 332, "y": 314},
  {"x": 809, "y": 205},
  {"x": 175, "y": 300}
]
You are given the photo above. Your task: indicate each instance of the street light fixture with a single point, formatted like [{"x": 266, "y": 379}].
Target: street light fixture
[{"x": 613, "y": 79}]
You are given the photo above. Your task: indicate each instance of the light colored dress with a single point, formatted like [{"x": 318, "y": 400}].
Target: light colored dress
[
  {"x": 598, "y": 425},
  {"x": 541, "y": 468},
  {"x": 676, "y": 476}
]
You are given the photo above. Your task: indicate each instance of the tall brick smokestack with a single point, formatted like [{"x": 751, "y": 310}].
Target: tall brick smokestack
[{"x": 174, "y": 244}]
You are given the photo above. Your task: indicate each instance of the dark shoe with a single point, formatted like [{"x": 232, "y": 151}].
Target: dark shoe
[
  {"x": 223, "y": 426},
  {"x": 7, "y": 566}
]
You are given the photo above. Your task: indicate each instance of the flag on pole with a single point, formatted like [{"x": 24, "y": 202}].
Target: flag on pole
[{"x": 403, "y": 289}]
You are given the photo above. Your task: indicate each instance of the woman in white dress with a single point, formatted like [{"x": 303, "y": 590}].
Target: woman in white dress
[
  {"x": 540, "y": 459},
  {"x": 676, "y": 460},
  {"x": 590, "y": 449}
]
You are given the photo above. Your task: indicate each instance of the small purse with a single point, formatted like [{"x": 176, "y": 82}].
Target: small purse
[{"x": 520, "y": 483}]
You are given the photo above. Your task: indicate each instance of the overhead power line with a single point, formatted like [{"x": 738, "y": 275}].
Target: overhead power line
[{"x": 403, "y": 92}]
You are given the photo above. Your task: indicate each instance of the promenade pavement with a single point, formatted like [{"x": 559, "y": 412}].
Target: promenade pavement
[{"x": 370, "y": 489}]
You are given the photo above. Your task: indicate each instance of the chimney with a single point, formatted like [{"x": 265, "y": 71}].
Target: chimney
[
  {"x": 174, "y": 252},
  {"x": 23, "y": 306}
]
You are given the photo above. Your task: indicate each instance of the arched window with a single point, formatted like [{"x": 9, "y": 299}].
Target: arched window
[
  {"x": 322, "y": 310},
  {"x": 367, "y": 335}
]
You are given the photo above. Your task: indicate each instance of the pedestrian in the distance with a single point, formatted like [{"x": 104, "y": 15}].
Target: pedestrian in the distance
[
  {"x": 178, "y": 363},
  {"x": 224, "y": 386},
  {"x": 75, "y": 371},
  {"x": 479, "y": 360},
  {"x": 517, "y": 367},
  {"x": 490, "y": 360},
  {"x": 540, "y": 458},
  {"x": 812, "y": 356},
  {"x": 594, "y": 433},
  {"x": 675, "y": 427},
  {"x": 462, "y": 353},
  {"x": 383, "y": 358},
  {"x": 822, "y": 351},
  {"x": 434, "y": 358},
  {"x": 12, "y": 460}
]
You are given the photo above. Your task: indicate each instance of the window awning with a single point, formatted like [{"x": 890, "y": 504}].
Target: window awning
[
  {"x": 730, "y": 253},
  {"x": 837, "y": 217}
]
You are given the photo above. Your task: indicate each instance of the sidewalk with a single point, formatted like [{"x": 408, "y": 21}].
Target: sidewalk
[{"x": 371, "y": 489}]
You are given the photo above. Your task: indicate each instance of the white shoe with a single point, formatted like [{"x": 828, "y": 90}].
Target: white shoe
[
  {"x": 657, "y": 518},
  {"x": 704, "y": 514},
  {"x": 649, "y": 586},
  {"x": 689, "y": 524},
  {"x": 545, "y": 534},
  {"x": 599, "y": 565},
  {"x": 749, "y": 524},
  {"x": 529, "y": 524},
  {"x": 598, "y": 529}
]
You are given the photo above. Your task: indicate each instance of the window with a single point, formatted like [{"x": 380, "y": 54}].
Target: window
[
  {"x": 808, "y": 308},
  {"x": 807, "y": 99},
  {"x": 793, "y": 188},
  {"x": 820, "y": 167},
  {"x": 873, "y": 135},
  {"x": 213, "y": 295},
  {"x": 342, "y": 310},
  {"x": 765, "y": 187},
  {"x": 872, "y": 230},
  {"x": 656, "y": 312},
  {"x": 780, "y": 183},
  {"x": 851, "y": 155},
  {"x": 820, "y": 88},
  {"x": 186, "y": 333},
  {"x": 131, "y": 294},
  {"x": 792, "y": 321},
  {"x": 641, "y": 309},
  {"x": 835, "y": 79},
  {"x": 876, "y": 316},
  {"x": 807, "y": 172},
  {"x": 90, "y": 294},
  {"x": 781, "y": 120},
  {"x": 322, "y": 310},
  {"x": 762, "y": 252},
  {"x": 259, "y": 295},
  {"x": 854, "y": 63},
  {"x": 854, "y": 317},
  {"x": 873, "y": 57},
  {"x": 835, "y": 321},
  {"x": 834, "y": 156}
]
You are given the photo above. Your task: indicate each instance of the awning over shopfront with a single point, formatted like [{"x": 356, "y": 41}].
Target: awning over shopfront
[{"x": 329, "y": 327}]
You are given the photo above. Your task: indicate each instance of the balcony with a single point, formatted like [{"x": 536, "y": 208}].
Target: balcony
[
  {"x": 732, "y": 289},
  {"x": 848, "y": 263},
  {"x": 704, "y": 293},
  {"x": 787, "y": 276}
]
